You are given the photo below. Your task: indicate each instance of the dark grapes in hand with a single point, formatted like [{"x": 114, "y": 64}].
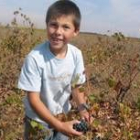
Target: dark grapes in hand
[{"x": 81, "y": 127}]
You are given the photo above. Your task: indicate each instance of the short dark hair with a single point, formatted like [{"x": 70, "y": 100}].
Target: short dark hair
[{"x": 64, "y": 7}]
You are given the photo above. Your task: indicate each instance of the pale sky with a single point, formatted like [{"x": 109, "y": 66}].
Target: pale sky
[{"x": 98, "y": 16}]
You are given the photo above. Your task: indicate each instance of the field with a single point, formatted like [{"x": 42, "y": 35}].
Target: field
[{"x": 112, "y": 88}]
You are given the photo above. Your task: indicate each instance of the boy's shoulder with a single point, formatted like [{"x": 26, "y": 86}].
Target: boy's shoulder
[
  {"x": 73, "y": 48},
  {"x": 39, "y": 49},
  {"x": 38, "y": 53}
]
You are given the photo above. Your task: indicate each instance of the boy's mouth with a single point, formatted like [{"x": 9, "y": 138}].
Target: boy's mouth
[{"x": 57, "y": 40}]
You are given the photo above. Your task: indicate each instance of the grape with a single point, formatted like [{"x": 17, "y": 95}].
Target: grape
[{"x": 81, "y": 127}]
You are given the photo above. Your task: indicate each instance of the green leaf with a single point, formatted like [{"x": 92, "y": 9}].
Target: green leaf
[
  {"x": 40, "y": 126},
  {"x": 96, "y": 123},
  {"x": 34, "y": 123},
  {"x": 81, "y": 89},
  {"x": 111, "y": 82},
  {"x": 92, "y": 98}
]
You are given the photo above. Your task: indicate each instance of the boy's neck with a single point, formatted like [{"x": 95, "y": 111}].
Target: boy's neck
[{"x": 59, "y": 53}]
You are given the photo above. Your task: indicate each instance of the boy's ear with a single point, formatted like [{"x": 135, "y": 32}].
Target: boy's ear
[{"x": 76, "y": 32}]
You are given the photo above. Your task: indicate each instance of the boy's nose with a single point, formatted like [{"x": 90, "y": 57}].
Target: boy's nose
[{"x": 58, "y": 30}]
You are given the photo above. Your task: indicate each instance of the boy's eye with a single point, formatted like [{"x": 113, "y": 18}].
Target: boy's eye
[
  {"x": 53, "y": 24},
  {"x": 66, "y": 27}
]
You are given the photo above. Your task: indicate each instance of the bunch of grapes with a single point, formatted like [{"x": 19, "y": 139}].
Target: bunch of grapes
[{"x": 81, "y": 127}]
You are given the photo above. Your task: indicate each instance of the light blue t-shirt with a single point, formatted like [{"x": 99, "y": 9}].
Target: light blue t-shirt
[{"x": 52, "y": 77}]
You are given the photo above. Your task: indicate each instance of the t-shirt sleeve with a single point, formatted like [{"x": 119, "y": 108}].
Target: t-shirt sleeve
[
  {"x": 30, "y": 77},
  {"x": 79, "y": 72}
]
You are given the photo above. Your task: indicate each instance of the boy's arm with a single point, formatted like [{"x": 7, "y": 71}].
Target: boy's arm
[
  {"x": 45, "y": 114},
  {"x": 79, "y": 97}
]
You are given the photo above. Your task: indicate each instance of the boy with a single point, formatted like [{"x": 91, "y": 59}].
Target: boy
[{"x": 49, "y": 71}]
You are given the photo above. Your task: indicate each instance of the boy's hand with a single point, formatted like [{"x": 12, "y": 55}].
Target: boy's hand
[
  {"x": 81, "y": 127},
  {"x": 67, "y": 128},
  {"x": 85, "y": 115}
]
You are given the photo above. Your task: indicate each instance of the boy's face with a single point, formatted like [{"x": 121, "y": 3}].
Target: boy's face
[{"x": 60, "y": 31}]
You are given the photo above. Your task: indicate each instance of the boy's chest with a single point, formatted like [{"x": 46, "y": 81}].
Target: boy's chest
[{"x": 58, "y": 72}]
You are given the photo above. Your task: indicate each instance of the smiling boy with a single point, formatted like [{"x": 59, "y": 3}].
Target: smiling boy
[{"x": 49, "y": 71}]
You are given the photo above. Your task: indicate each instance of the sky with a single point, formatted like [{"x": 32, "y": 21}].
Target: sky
[{"x": 98, "y": 16}]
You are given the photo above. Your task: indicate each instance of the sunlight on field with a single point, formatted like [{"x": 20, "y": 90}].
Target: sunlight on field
[{"x": 112, "y": 88}]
